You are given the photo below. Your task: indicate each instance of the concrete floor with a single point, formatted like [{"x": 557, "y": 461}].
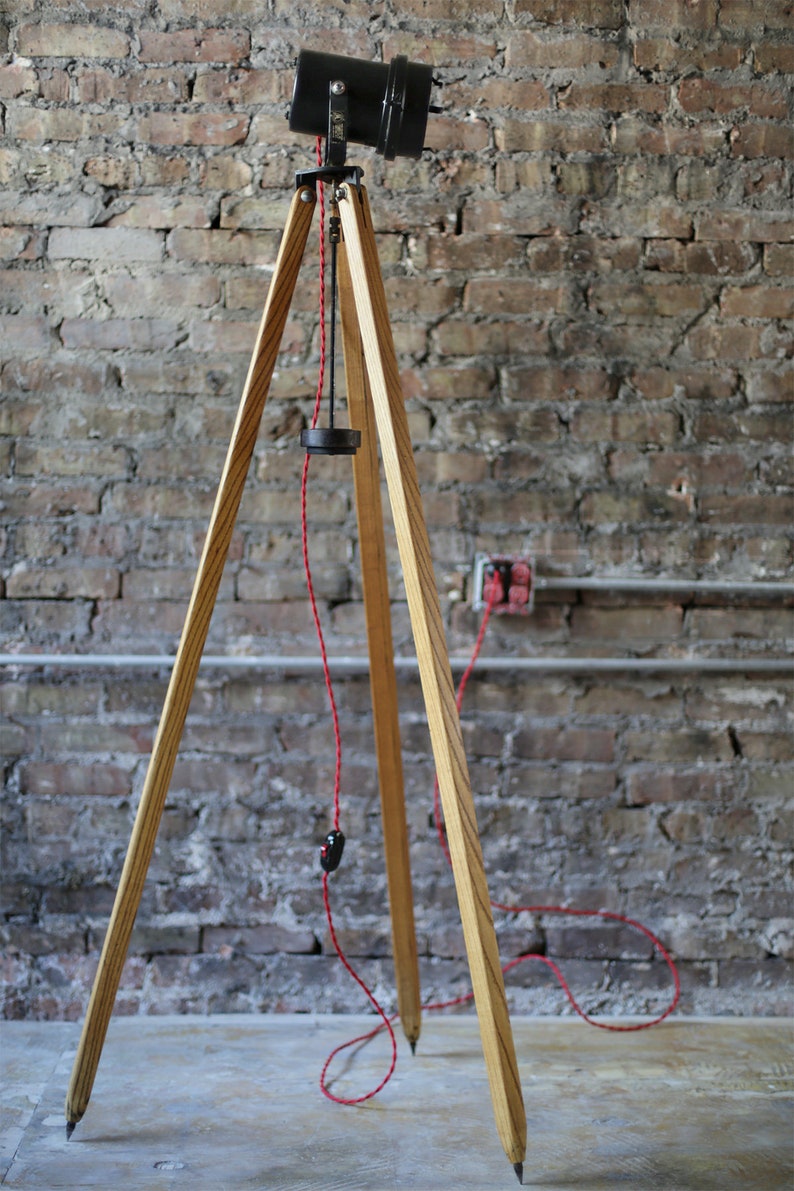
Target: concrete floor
[{"x": 232, "y": 1102}]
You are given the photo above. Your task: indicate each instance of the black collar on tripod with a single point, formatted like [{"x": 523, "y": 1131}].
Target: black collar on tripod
[{"x": 337, "y": 175}]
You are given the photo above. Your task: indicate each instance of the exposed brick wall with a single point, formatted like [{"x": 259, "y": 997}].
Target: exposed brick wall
[{"x": 589, "y": 277}]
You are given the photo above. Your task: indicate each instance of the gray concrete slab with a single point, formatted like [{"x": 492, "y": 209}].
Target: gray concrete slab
[{"x": 226, "y": 1103}]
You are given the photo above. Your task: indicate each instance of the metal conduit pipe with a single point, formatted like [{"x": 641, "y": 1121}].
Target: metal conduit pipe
[
  {"x": 728, "y": 587},
  {"x": 307, "y": 664}
]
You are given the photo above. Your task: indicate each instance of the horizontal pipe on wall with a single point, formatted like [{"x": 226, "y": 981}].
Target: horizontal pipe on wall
[
  {"x": 308, "y": 664},
  {"x": 654, "y": 584}
]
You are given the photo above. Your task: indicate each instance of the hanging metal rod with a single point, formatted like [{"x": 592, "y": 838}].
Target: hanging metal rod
[{"x": 309, "y": 664}]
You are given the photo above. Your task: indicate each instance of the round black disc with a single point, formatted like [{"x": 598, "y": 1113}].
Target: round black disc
[{"x": 330, "y": 441}]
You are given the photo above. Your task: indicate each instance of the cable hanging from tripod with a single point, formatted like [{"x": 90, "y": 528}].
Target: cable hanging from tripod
[{"x": 331, "y": 850}]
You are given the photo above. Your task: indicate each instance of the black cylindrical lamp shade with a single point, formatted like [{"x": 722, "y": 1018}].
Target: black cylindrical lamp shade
[{"x": 387, "y": 102}]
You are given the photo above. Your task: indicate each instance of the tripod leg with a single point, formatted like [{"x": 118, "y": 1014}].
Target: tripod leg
[
  {"x": 436, "y": 677},
  {"x": 186, "y": 664},
  {"x": 383, "y": 680}
]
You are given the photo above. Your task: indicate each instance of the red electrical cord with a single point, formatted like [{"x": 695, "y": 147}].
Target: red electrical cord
[{"x": 386, "y": 1020}]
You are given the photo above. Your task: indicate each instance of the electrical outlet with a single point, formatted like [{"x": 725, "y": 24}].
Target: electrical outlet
[{"x": 514, "y": 578}]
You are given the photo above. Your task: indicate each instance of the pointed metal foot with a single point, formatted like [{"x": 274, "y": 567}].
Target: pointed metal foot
[
  {"x": 413, "y": 1047},
  {"x": 518, "y": 1167},
  {"x": 70, "y": 1128}
]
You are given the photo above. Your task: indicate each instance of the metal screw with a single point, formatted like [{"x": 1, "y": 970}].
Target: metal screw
[
  {"x": 338, "y": 87},
  {"x": 307, "y": 196},
  {"x": 340, "y": 193}
]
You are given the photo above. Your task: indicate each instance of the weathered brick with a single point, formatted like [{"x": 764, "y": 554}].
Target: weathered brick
[
  {"x": 632, "y": 135},
  {"x": 71, "y": 41},
  {"x": 758, "y": 227},
  {"x": 664, "y": 53},
  {"x": 687, "y": 14},
  {"x": 60, "y": 124},
  {"x": 223, "y": 246},
  {"x": 514, "y": 296},
  {"x": 770, "y": 57},
  {"x": 187, "y": 45},
  {"x": 643, "y": 301},
  {"x": 185, "y": 128},
  {"x": 533, "y": 136},
  {"x": 147, "y": 86},
  {"x": 757, "y": 301},
  {"x": 103, "y": 244},
  {"x": 762, "y": 140},
  {"x": 615, "y": 97},
  {"x": 697, "y": 95},
  {"x": 528, "y": 49},
  {"x": 17, "y": 78}
]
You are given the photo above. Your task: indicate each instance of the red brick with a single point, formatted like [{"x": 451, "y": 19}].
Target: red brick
[
  {"x": 186, "y": 45},
  {"x": 762, "y": 140},
  {"x": 162, "y": 212},
  {"x": 181, "y": 128},
  {"x": 17, "y": 79},
  {"x": 71, "y": 41},
  {"x": 583, "y": 253},
  {"x": 26, "y": 332},
  {"x": 770, "y": 386},
  {"x": 62, "y": 583},
  {"x": 748, "y": 509},
  {"x": 779, "y": 260},
  {"x": 755, "y": 227},
  {"x": 651, "y": 426},
  {"x": 144, "y": 86},
  {"x": 742, "y": 15},
  {"x": 726, "y": 342},
  {"x": 653, "y": 221},
  {"x": 57, "y": 124},
  {"x": 523, "y": 94},
  {"x": 647, "y": 302},
  {"x": 102, "y": 244},
  {"x": 20, "y": 243},
  {"x": 615, "y": 97},
  {"x": 670, "y": 54},
  {"x": 699, "y": 94},
  {"x": 116, "y": 334},
  {"x": 566, "y": 744},
  {"x": 502, "y": 337},
  {"x": 528, "y": 49},
  {"x": 631, "y": 135},
  {"x": 593, "y": 14},
  {"x": 717, "y": 258},
  {"x": 771, "y": 57},
  {"x": 237, "y": 86},
  {"x": 169, "y": 290},
  {"x": 552, "y": 383},
  {"x": 757, "y": 301},
  {"x": 533, "y": 136},
  {"x": 63, "y": 778},
  {"x": 493, "y": 295},
  {"x": 671, "y": 14},
  {"x": 224, "y": 247}
]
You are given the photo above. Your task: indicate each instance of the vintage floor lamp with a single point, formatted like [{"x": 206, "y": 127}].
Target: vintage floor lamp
[{"x": 384, "y": 106}]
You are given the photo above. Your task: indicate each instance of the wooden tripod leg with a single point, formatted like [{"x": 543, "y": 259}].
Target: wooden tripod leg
[
  {"x": 383, "y": 679},
  {"x": 191, "y": 646},
  {"x": 436, "y": 677}
]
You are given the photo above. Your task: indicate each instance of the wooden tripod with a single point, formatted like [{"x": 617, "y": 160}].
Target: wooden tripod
[{"x": 374, "y": 396}]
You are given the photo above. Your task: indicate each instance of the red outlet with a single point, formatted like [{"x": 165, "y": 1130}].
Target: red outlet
[{"x": 504, "y": 583}]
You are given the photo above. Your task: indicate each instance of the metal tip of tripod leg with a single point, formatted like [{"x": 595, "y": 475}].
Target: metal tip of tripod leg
[
  {"x": 518, "y": 1167},
  {"x": 70, "y": 1128},
  {"x": 413, "y": 1046}
]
